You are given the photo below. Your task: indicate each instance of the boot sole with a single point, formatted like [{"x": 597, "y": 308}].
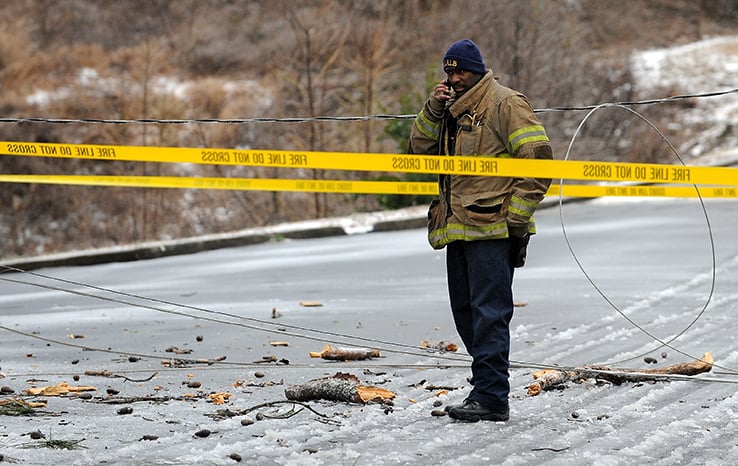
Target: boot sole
[{"x": 494, "y": 417}]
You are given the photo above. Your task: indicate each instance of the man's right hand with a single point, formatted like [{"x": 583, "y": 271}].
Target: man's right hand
[{"x": 442, "y": 92}]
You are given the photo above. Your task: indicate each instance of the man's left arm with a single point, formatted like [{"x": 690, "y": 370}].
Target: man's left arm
[{"x": 526, "y": 139}]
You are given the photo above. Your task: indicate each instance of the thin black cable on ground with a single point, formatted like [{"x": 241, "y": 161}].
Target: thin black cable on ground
[
  {"x": 189, "y": 361},
  {"x": 667, "y": 343},
  {"x": 444, "y": 360},
  {"x": 222, "y": 364},
  {"x": 277, "y": 327}
]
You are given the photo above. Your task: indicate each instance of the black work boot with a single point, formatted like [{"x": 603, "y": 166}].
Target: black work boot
[
  {"x": 474, "y": 411},
  {"x": 448, "y": 408}
]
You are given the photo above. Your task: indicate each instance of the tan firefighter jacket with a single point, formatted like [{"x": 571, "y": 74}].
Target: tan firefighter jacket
[{"x": 492, "y": 121}]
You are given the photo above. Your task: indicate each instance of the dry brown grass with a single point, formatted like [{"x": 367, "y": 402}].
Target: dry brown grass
[{"x": 274, "y": 58}]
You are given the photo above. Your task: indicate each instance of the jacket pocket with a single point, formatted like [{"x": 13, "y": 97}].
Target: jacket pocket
[
  {"x": 469, "y": 141},
  {"x": 484, "y": 208}
]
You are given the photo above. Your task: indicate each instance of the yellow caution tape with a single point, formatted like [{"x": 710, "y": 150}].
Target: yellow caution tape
[
  {"x": 459, "y": 165},
  {"x": 353, "y": 187},
  {"x": 236, "y": 184},
  {"x": 642, "y": 191}
]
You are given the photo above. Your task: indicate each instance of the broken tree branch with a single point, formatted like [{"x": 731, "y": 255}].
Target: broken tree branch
[
  {"x": 228, "y": 413},
  {"x": 341, "y": 353},
  {"x": 106, "y": 373},
  {"x": 339, "y": 387},
  {"x": 182, "y": 363},
  {"x": 550, "y": 378}
]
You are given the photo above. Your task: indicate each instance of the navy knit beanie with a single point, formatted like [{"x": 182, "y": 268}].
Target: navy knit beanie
[{"x": 464, "y": 55}]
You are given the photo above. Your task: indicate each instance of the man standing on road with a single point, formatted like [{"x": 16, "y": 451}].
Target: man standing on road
[{"x": 484, "y": 222}]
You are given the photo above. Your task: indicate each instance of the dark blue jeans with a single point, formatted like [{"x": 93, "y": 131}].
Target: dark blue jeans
[{"x": 480, "y": 290}]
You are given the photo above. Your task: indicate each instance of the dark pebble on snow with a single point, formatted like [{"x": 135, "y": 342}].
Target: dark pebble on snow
[{"x": 125, "y": 410}]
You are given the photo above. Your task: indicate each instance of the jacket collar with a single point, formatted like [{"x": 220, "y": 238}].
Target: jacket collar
[{"x": 471, "y": 98}]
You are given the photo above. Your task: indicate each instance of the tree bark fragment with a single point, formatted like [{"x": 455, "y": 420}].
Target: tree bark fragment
[{"x": 62, "y": 388}]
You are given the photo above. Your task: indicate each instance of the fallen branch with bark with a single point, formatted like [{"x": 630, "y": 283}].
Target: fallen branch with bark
[
  {"x": 338, "y": 387},
  {"x": 182, "y": 363},
  {"x": 550, "y": 378},
  {"x": 341, "y": 353}
]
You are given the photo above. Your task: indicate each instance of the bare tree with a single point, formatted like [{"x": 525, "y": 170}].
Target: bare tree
[
  {"x": 373, "y": 58},
  {"x": 308, "y": 77}
]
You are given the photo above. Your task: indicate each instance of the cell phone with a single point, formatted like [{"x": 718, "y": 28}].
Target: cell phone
[{"x": 448, "y": 85}]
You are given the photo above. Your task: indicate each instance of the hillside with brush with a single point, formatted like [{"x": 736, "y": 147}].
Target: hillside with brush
[{"x": 230, "y": 59}]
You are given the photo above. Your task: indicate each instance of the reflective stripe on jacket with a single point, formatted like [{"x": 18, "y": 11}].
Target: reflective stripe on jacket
[{"x": 491, "y": 121}]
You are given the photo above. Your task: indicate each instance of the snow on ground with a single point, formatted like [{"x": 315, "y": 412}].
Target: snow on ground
[
  {"x": 706, "y": 66},
  {"x": 378, "y": 290}
]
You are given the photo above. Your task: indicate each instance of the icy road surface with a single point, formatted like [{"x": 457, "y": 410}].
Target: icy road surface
[{"x": 651, "y": 258}]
